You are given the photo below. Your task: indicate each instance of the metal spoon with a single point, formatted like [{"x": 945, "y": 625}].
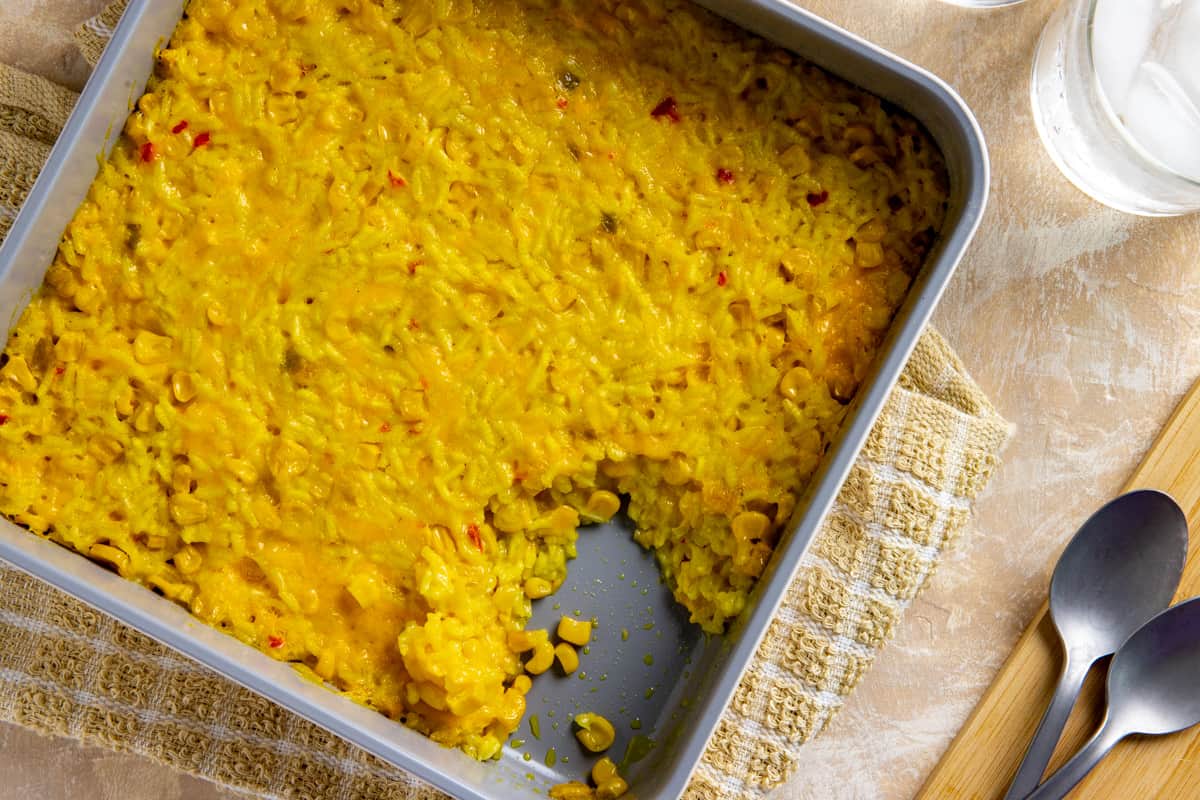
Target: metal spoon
[
  {"x": 1153, "y": 688},
  {"x": 1121, "y": 569}
]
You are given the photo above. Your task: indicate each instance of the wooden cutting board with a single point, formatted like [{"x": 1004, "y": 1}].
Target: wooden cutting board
[{"x": 983, "y": 758}]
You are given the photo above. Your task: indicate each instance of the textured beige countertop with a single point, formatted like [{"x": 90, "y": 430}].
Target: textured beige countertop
[{"x": 1079, "y": 321}]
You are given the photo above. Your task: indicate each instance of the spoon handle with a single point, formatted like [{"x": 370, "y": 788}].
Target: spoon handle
[
  {"x": 1071, "y": 773},
  {"x": 1049, "y": 731}
]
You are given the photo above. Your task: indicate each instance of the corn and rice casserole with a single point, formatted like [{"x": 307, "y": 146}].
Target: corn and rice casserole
[{"x": 376, "y": 302}]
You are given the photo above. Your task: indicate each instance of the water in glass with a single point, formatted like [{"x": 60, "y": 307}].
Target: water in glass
[{"x": 1116, "y": 93}]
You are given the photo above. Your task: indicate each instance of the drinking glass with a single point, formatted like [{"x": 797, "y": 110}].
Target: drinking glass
[{"x": 1116, "y": 99}]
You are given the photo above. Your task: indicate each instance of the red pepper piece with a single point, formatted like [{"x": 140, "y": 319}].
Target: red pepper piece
[
  {"x": 722, "y": 278},
  {"x": 180, "y": 127},
  {"x": 476, "y": 539},
  {"x": 4, "y": 418},
  {"x": 396, "y": 180},
  {"x": 562, "y": 103},
  {"x": 59, "y": 370},
  {"x": 147, "y": 152},
  {"x": 725, "y": 176},
  {"x": 412, "y": 266},
  {"x": 275, "y": 642},
  {"x": 201, "y": 140},
  {"x": 413, "y": 325},
  {"x": 385, "y": 428},
  {"x": 667, "y": 108},
  {"x": 817, "y": 198}
]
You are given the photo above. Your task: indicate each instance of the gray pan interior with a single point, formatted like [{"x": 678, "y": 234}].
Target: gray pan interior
[{"x": 667, "y": 680}]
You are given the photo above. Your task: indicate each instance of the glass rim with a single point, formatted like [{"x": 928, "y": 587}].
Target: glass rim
[
  {"x": 983, "y": 4},
  {"x": 1111, "y": 113}
]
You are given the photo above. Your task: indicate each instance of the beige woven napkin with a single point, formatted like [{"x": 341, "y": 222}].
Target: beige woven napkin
[{"x": 66, "y": 669}]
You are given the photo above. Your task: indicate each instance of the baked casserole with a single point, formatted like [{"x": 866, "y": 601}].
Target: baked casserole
[{"x": 376, "y": 302}]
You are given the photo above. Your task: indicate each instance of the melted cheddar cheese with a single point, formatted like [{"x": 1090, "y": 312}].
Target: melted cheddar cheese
[{"x": 376, "y": 302}]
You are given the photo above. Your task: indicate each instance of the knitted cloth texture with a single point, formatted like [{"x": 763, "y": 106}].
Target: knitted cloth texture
[{"x": 68, "y": 670}]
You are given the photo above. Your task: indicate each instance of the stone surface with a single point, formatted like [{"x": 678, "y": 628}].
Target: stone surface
[{"x": 1079, "y": 321}]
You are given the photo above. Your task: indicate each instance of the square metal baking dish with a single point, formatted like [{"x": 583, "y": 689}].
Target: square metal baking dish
[{"x": 664, "y": 677}]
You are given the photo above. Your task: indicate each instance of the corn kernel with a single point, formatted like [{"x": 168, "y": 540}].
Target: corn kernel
[
  {"x": 125, "y": 401},
  {"x": 156, "y": 542},
  {"x": 266, "y": 513},
  {"x": 144, "y": 420},
  {"x": 865, "y": 156},
  {"x": 742, "y": 314},
  {"x": 187, "y": 510},
  {"x": 411, "y": 406},
  {"x": 542, "y": 659},
  {"x": 751, "y": 558},
  {"x": 88, "y": 298},
  {"x": 180, "y": 592},
  {"x": 796, "y": 160},
  {"x": 595, "y": 732},
  {"x": 612, "y": 788},
  {"x": 17, "y": 371},
  {"x": 563, "y": 518},
  {"x": 183, "y": 386},
  {"x": 750, "y": 526},
  {"x": 365, "y": 590},
  {"x": 677, "y": 471},
  {"x": 619, "y": 469},
  {"x": 242, "y": 470},
  {"x": 786, "y": 505},
  {"x": 567, "y": 657},
  {"x": 70, "y": 346},
  {"x": 512, "y": 709},
  {"x": 523, "y": 641},
  {"x": 794, "y": 382},
  {"x": 576, "y": 631},
  {"x": 150, "y": 348},
  {"x": 873, "y": 231},
  {"x": 537, "y": 588},
  {"x": 558, "y": 296},
  {"x": 601, "y": 505},
  {"x": 289, "y": 459},
  {"x": 798, "y": 262},
  {"x": 110, "y": 555},
  {"x": 181, "y": 479},
  {"x": 188, "y": 560},
  {"x": 602, "y": 770},
  {"x": 367, "y": 456},
  {"x": 432, "y": 695},
  {"x": 868, "y": 254},
  {"x": 522, "y": 684},
  {"x": 63, "y": 279},
  {"x": 216, "y": 315},
  {"x": 860, "y": 134},
  {"x": 326, "y": 664},
  {"x": 573, "y": 790},
  {"x": 104, "y": 448}
]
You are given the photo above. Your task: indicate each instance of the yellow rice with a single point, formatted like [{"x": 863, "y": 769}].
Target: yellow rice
[{"x": 376, "y": 301}]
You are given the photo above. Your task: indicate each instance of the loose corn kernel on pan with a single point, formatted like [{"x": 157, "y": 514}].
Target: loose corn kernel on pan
[{"x": 648, "y": 668}]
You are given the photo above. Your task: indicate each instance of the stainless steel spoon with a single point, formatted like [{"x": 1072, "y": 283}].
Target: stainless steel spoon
[
  {"x": 1153, "y": 688},
  {"x": 1121, "y": 569}
]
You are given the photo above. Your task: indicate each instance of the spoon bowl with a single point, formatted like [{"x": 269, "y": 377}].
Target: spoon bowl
[
  {"x": 1121, "y": 568},
  {"x": 1154, "y": 681},
  {"x": 1153, "y": 688}
]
